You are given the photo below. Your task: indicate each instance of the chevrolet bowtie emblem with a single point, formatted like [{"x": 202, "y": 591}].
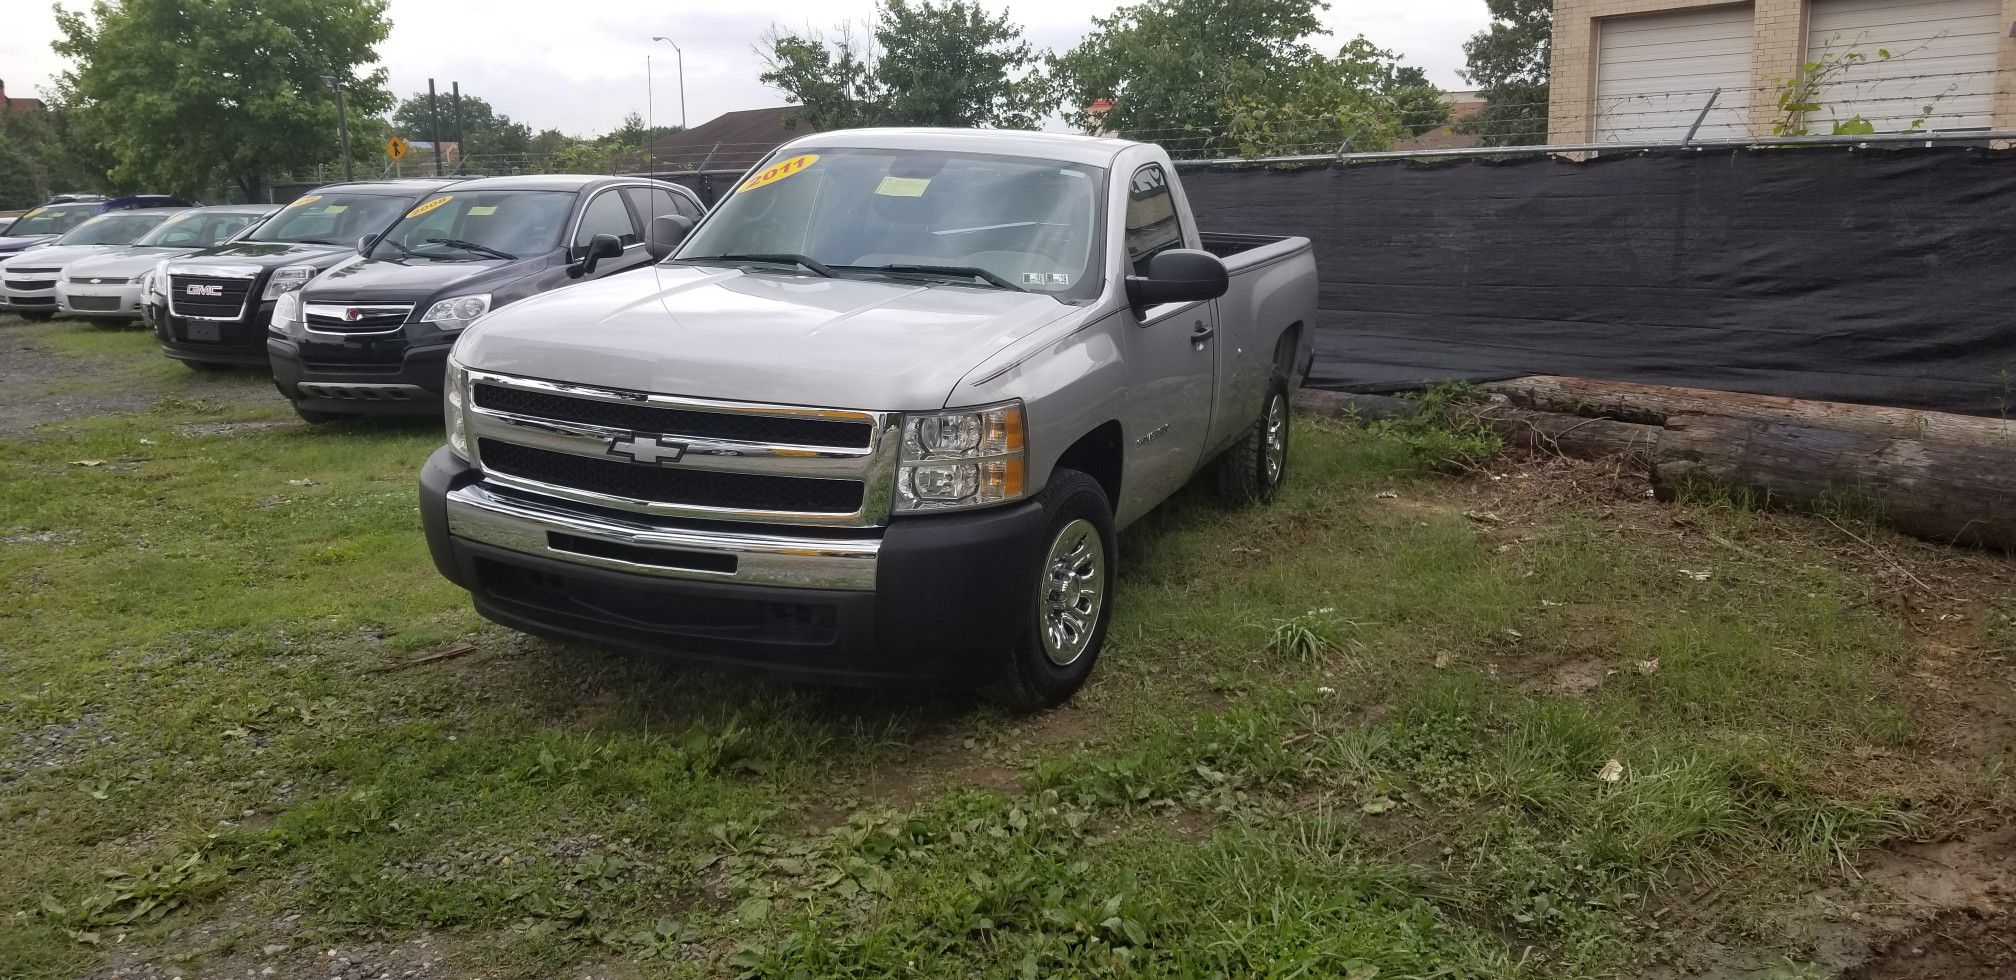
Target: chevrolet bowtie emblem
[{"x": 650, "y": 450}]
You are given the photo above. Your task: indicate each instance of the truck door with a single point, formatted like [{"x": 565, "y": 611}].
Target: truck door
[{"x": 1171, "y": 356}]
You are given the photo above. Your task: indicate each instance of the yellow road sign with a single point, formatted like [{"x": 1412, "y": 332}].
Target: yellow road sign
[{"x": 396, "y": 148}]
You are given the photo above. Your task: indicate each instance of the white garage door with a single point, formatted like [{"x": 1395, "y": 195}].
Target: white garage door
[
  {"x": 1654, "y": 72},
  {"x": 1942, "y": 55}
]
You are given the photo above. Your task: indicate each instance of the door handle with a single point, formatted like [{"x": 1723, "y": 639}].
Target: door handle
[{"x": 1201, "y": 333}]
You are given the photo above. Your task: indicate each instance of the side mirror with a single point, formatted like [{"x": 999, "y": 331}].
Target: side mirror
[
  {"x": 600, "y": 247},
  {"x": 667, "y": 231},
  {"x": 364, "y": 244},
  {"x": 1179, "y": 275}
]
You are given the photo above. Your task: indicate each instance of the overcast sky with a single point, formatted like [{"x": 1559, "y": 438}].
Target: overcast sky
[{"x": 579, "y": 67}]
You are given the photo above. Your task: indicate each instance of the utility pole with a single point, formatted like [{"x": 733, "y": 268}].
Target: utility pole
[
  {"x": 682, "y": 77},
  {"x": 461, "y": 148},
  {"x": 434, "y": 126},
  {"x": 342, "y": 123}
]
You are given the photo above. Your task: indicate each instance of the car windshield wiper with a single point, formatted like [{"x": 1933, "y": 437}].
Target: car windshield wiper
[
  {"x": 317, "y": 241},
  {"x": 956, "y": 271},
  {"x": 785, "y": 258},
  {"x": 403, "y": 250},
  {"x": 472, "y": 247}
]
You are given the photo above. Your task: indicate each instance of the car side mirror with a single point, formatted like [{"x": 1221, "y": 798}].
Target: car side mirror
[
  {"x": 600, "y": 247},
  {"x": 667, "y": 231},
  {"x": 1179, "y": 275},
  {"x": 364, "y": 244}
]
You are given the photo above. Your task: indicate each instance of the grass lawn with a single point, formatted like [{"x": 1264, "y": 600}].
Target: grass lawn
[{"x": 1515, "y": 722}]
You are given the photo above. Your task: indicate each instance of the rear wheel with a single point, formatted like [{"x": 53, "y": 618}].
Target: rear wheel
[
  {"x": 1251, "y": 471},
  {"x": 1065, "y": 627}
]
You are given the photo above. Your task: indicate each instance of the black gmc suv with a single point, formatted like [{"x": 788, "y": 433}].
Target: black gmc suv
[
  {"x": 220, "y": 299},
  {"x": 371, "y": 335}
]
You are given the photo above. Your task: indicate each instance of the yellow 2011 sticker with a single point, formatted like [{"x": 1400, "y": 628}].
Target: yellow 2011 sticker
[
  {"x": 302, "y": 202},
  {"x": 34, "y": 212},
  {"x": 430, "y": 205},
  {"x": 778, "y": 171}
]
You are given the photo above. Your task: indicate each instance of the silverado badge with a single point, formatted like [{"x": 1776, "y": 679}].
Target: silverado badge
[{"x": 650, "y": 450}]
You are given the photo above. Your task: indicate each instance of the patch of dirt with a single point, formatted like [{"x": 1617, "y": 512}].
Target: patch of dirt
[
  {"x": 1959, "y": 945},
  {"x": 35, "y": 382}
]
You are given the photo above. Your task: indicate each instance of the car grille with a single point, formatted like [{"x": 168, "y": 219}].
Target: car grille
[
  {"x": 228, "y": 303},
  {"x": 32, "y": 300},
  {"x": 671, "y": 485},
  {"x": 94, "y": 302},
  {"x": 683, "y": 422},
  {"x": 98, "y": 281},
  {"x": 372, "y": 318},
  {"x": 36, "y": 285}
]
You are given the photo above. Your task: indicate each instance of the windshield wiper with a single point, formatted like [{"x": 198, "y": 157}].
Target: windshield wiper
[
  {"x": 472, "y": 247},
  {"x": 785, "y": 258},
  {"x": 958, "y": 271},
  {"x": 317, "y": 241}
]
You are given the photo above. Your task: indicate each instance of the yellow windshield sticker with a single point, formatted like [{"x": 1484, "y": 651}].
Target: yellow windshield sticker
[
  {"x": 302, "y": 202},
  {"x": 34, "y": 212},
  {"x": 902, "y": 186},
  {"x": 430, "y": 205},
  {"x": 482, "y": 209},
  {"x": 778, "y": 171},
  {"x": 336, "y": 209}
]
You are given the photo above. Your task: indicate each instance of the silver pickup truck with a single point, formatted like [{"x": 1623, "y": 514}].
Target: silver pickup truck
[{"x": 877, "y": 418}]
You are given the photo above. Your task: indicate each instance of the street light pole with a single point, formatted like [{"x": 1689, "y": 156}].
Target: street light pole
[
  {"x": 342, "y": 123},
  {"x": 682, "y": 77}
]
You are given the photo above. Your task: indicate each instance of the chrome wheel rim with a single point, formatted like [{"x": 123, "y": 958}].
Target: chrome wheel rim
[
  {"x": 1274, "y": 451},
  {"x": 1074, "y": 592}
]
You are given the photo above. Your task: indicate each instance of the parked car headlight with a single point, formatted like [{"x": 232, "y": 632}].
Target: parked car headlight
[
  {"x": 456, "y": 312},
  {"x": 969, "y": 458},
  {"x": 157, "y": 284},
  {"x": 287, "y": 318},
  {"x": 455, "y": 394},
  {"x": 286, "y": 279}
]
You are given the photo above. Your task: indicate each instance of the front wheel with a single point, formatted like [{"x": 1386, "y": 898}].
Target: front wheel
[
  {"x": 1251, "y": 471},
  {"x": 1066, "y": 624}
]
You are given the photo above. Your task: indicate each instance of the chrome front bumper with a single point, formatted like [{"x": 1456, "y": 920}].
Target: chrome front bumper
[{"x": 518, "y": 524}]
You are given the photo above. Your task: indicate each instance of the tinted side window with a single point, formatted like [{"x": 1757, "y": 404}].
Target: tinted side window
[
  {"x": 1152, "y": 224},
  {"x": 607, "y": 215},
  {"x": 654, "y": 201}
]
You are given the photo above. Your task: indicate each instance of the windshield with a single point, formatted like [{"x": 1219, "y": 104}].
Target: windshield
[
  {"x": 117, "y": 228},
  {"x": 1001, "y": 222},
  {"x": 53, "y": 220},
  {"x": 470, "y": 225},
  {"x": 198, "y": 229},
  {"x": 332, "y": 219}
]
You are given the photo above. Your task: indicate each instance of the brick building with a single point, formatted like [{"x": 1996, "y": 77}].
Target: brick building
[{"x": 1632, "y": 71}]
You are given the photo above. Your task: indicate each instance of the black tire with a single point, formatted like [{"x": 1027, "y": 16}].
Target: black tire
[
  {"x": 1252, "y": 470},
  {"x": 206, "y": 367},
  {"x": 1033, "y": 678},
  {"x": 317, "y": 418}
]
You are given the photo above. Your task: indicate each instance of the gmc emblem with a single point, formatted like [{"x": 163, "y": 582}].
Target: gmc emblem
[{"x": 203, "y": 289}]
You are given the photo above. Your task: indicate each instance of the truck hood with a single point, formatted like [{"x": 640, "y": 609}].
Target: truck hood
[
  {"x": 382, "y": 281},
  {"x": 272, "y": 255},
  {"x": 56, "y": 256},
  {"x": 759, "y": 336}
]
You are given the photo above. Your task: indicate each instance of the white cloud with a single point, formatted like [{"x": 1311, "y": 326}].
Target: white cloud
[{"x": 580, "y": 67}]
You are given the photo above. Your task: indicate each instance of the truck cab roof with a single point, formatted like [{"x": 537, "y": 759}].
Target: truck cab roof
[{"x": 1097, "y": 151}]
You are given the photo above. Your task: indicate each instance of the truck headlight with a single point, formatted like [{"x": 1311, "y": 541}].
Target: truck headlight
[
  {"x": 156, "y": 285},
  {"x": 457, "y": 312},
  {"x": 287, "y": 319},
  {"x": 969, "y": 458},
  {"x": 455, "y": 392},
  {"x": 286, "y": 279}
]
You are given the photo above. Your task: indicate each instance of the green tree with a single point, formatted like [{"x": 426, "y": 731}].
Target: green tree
[
  {"x": 21, "y": 183},
  {"x": 188, "y": 93},
  {"x": 934, "y": 64},
  {"x": 1206, "y": 77},
  {"x": 1508, "y": 62},
  {"x": 484, "y": 129}
]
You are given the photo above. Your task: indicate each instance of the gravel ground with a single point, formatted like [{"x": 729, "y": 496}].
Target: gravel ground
[{"x": 40, "y": 384}]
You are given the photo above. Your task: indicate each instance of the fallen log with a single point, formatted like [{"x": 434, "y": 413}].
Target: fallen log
[
  {"x": 1952, "y": 492},
  {"x": 1655, "y": 404},
  {"x": 1543, "y": 431}
]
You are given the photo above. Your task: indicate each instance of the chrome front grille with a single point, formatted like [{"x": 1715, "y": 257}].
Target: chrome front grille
[
  {"x": 356, "y": 319},
  {"x": 684, "y": 457}
]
